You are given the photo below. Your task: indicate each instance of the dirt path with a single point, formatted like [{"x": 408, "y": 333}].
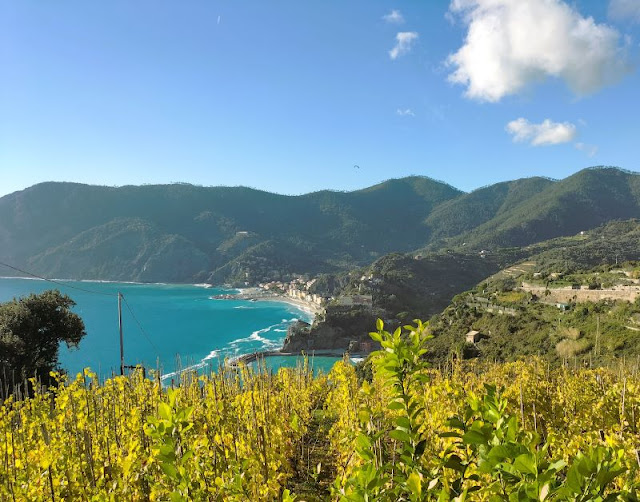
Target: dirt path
[{"x": 310, "y": 483}]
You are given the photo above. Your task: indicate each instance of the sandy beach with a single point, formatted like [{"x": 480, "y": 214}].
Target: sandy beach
[{"x": 259, "y": 294}]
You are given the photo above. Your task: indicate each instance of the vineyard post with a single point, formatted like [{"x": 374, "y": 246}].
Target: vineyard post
[
  {"x": 624, "y": 391},
  {"x": 521, "y": 402},
  {"x": 120, "y": 328}
]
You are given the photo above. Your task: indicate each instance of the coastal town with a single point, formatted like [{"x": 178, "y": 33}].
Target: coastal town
[{"x": 296, "y": 292}]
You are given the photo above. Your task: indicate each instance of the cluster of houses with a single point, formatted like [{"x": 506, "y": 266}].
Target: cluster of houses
[
  {"x": 297, "y": 289},
  {"x": 297, "y": 294},
  {"x": 274, "y": 286}
]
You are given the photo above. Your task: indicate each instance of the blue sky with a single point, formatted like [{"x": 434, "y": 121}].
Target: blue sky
[{"x": 289, "y": 96}]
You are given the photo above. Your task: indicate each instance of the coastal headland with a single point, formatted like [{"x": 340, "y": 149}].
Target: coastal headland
[{"x": 296, "y": 342}]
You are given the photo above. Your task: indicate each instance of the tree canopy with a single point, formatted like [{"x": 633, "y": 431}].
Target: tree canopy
[{"x": 31, "y": 329}]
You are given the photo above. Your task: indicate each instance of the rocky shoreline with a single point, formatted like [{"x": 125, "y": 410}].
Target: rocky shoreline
[{"x": 318, "y": 336}]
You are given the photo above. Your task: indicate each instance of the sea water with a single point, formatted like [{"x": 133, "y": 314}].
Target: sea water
[{"x": 166, "y": 326}]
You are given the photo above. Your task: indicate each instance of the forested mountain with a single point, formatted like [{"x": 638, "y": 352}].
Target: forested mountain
[
  {"x": 186, "y": 233},
  {"x": 471, "y": 210},
  {"x": 234, "y": 234},
  {"x": 582, "y": 201}
]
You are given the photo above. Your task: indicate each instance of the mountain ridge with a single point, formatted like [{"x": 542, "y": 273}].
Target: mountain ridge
[{"x": 186, "y": 233}]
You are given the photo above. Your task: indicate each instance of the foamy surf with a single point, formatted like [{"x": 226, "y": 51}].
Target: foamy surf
[
  {"x": 238, "y": 347},
  {"x": 212, "y": 355}
]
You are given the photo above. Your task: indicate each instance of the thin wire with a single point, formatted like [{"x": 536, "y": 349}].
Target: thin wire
[
  {"x": 59, "y": 283},
  {"x": 142, "y": 330}
]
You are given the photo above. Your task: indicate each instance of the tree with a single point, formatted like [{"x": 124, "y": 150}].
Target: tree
[{"x": 31, "y": 329}]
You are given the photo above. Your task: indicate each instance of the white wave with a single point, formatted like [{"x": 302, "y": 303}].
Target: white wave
[
  {"x": 236, "y": 346},
  {"x": 193, "y": 367},
  {"x": 213, "y": 354},
  {"x": 103, "y": 281},
  {"x": 22, "y": 278},
  {"x": 256, "y": 336}
]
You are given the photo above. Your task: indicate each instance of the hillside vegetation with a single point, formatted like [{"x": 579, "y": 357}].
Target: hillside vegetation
[
  {"x": 187, "y": 233},
  {"x": 519, "y": 431},
  {"x": 182, "y": 233},
  {"x": 580, "y": 202},
  {"x": 421, "y": 285},
  {"x": 575, "y": 298}
]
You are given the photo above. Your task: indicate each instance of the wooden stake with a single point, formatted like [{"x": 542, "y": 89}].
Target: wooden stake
[{"x": 120, "y": 327}]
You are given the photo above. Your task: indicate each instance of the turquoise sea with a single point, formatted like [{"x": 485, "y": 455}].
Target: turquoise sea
[{"x": 173, "y": 326}]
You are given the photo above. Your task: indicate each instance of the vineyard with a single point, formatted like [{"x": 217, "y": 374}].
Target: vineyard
[{"x": 516, "y": 431}]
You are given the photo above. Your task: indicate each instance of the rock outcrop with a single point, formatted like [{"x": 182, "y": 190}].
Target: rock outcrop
[
  {"x": 339, "y": 329},
  {"x": 297, "y": 338}
]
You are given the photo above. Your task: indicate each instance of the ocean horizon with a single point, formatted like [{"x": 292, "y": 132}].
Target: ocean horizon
[{"x": 170, "y": 327}]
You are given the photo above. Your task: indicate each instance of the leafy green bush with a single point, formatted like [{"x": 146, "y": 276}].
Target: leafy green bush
[{"x": 489, "y": 456}]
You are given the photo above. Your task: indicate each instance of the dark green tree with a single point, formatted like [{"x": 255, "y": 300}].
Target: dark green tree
[{"x": 31, "y": 329}]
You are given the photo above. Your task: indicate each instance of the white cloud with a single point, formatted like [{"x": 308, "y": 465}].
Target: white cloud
[
  {"x": 404, "y": 42},
  {"x": 545, "y": 133},
  {"x": 623, "y": 10},
  {"x": 511, "y": 44},
  {"x": 405, "y": 112},
  {"x": 394, "y": 17},
  {"x": 590, "y": 150}
]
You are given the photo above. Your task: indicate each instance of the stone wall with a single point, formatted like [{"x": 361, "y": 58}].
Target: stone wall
[{"x": 566, "y": 295}]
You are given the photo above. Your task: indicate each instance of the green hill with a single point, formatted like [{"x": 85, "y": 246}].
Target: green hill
[
  {"x": 471, "y": 210},
  {"x": 585, "y": 200},
  {"x": 188, "y": 233},
  {"x": 409, "y": 286},
  {"x": 183, "y": 233},
  {"x": 580, "y": 303}
]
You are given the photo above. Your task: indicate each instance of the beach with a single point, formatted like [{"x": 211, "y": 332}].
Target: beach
[{"x": 259, "y": 294}]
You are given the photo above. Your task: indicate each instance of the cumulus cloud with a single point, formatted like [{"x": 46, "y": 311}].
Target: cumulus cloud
[
  {"x": 590, "y": 150},
  {"x": 404, "y": 42},
  {"x": 545, "y": 133},
  {"x": 511, "y": 44},
  {"x": 623, "y": 10},
  {"x": 394, "y": 17},
  {"x": 405, "y": 112}
]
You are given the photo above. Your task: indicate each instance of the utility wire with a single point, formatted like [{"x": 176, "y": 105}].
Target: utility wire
[
  {"x": 92, "y": 291},
  {"x": 142, "y": 330},
  {"x": 59, "y": 283}
]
